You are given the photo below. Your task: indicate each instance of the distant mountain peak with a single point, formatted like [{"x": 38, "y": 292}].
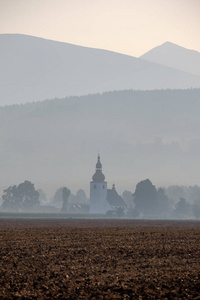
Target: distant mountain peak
[
  {"x": 174, "y": 56},
  {"x": 168, "y": 43},
  {"x": 34, "y": 69}
]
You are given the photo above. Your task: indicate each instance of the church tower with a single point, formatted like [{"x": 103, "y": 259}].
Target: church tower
[{"x": 98, "y": 191}]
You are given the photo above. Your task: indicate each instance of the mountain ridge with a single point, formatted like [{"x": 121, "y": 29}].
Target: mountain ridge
[
  {"x": 172, "y": 55},
  {"x": 35, "y": 69}
]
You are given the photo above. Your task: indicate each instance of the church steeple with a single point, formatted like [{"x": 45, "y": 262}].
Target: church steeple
[
  {"x": 98, "y": 190},
  {"x": 98, "y": 164},
  {"x": 98, "y": 175}
]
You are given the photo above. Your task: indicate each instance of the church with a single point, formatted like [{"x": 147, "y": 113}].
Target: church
[{"x": 103, "y": 199}]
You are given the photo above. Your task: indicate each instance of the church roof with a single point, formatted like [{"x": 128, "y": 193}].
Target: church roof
[
  {"x": 98, "y": 164},
  {"x": 114, "y": 199},
  {"x": 98, "y": 175}
]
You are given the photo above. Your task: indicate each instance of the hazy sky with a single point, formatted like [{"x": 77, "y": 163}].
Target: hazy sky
[{"x": 127, "y": 26}]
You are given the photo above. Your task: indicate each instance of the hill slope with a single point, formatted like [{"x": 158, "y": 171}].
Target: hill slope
[
  {"x": 139, "y": 134},
  {"x": 172, "y": 55},
  {"x": 34, "y": 69}
]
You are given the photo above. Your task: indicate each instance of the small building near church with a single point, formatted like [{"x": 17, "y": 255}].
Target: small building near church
[{"x": 116, "y": 202}]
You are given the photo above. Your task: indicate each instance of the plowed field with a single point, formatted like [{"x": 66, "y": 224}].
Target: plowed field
[{"x": 101, "y": 259}]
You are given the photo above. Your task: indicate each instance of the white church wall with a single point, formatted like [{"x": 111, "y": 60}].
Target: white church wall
[{"x": 98, "y": 197}]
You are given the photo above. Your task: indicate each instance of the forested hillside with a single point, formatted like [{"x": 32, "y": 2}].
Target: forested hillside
[{"x": 152, "y": 134}]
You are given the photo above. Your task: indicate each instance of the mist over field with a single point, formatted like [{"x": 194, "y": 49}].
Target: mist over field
[{"x": 140, "y": 114}]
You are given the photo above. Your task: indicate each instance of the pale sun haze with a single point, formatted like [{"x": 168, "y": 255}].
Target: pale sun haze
[{"x": 125, "y": 26}]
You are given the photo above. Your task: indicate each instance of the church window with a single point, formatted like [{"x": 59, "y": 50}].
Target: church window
[
  {"x": 95, "y": 186},
  {"x": 103, "y": 187}
]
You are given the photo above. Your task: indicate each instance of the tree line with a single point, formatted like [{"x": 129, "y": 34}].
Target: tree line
[
  {"x": 173, "y": 202},
  {"x": 25, "y": 198},
  {"x": 146, "y": 202}
]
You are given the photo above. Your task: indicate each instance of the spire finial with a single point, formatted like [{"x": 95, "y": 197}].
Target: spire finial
[
  {"x": 98, "y": 164},
  {"x": 98, "y": 157},
  {"x": 98, "y": 176}
]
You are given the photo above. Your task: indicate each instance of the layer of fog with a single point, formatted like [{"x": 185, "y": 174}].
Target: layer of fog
[{"x": 139, "y": 135}]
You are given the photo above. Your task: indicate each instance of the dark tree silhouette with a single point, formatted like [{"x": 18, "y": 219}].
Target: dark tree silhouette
[
  {"x": 23, "y": 197},
  {"x": 58, "y": 197},
  {"x": 65, "y": 195},
  {"x": 196, "y": 209},
  {"x": 10, "y": 201},
  {"x": 145, "y": 197},
  {"x": 183, "y": 209},
  {"x": 162, "y": 203}
]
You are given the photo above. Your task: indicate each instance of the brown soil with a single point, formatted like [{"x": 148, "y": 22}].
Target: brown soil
[{"x": 86, "y": 259}]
